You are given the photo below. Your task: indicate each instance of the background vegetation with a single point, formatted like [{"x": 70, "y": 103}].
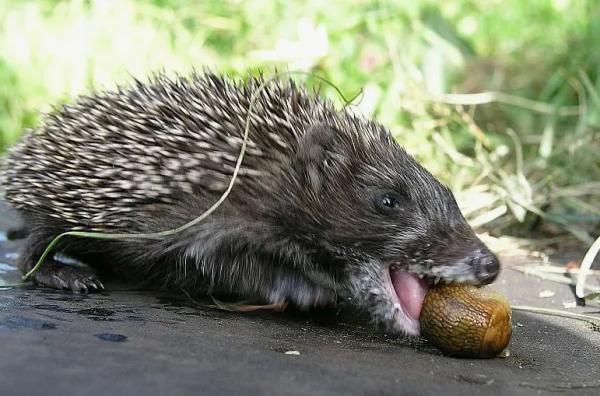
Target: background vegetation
[{"x": 498, "y": 98}]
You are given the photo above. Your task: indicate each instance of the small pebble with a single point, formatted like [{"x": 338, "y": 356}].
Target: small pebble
[{"x": 546, "y": 294}]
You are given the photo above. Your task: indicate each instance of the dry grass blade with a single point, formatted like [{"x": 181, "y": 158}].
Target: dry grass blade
[
  {"x": 242, "y": 306},
  {"x": 594, "y": 321},
  {"x": 504, "y": 98},
  {"x": 553, "y": 276}
]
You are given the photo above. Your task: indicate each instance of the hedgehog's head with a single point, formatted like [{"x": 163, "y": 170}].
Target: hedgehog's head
[{"x": 381, "y": 225}]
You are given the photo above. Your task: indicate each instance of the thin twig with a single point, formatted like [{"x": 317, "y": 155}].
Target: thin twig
[{"x": 586, "y": 264}]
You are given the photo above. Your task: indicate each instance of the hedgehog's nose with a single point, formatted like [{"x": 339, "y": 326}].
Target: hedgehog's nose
[{"x": 486, "y": 266}]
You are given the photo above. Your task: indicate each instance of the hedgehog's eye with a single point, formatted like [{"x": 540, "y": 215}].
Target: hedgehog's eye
[{"x": 386, "y": 202}]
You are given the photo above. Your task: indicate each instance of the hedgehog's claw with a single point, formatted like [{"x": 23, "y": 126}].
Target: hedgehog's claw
[
  {"x": 66, "y": 277},
  {"x": 95, "y": 284},
  {"x": 79, "y": 286},
  {"x": 99, "y": 284},
  {"x": 61, "y": 283}
]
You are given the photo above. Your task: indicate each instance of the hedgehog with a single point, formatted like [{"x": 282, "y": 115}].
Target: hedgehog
[{"x": 327, "y": 206}]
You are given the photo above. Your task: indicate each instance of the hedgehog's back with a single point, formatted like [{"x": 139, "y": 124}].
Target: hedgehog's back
[{"x": 93, "y": 164}]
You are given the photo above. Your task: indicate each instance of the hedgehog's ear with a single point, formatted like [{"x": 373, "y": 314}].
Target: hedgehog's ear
[
  {"x": 314, "y": 154},
  {"x": 317, "y": 140}
]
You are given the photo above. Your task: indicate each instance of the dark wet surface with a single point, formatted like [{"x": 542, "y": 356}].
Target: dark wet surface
[
  {"x": 127, "y": 342},
  {"x": 112, "y": 337}
]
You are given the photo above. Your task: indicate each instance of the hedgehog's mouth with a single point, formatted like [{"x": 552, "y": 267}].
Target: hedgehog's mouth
[{"x": 408, "y": 291}]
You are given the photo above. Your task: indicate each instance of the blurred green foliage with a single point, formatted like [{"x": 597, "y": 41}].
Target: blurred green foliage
[{"x": 532, "y": 154}]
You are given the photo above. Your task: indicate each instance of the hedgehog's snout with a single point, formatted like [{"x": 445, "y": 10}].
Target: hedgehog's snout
[{"x": 485, "y": 266}]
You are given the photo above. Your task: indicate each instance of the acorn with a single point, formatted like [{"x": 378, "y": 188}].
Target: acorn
[{"x": 466, "y": 321}]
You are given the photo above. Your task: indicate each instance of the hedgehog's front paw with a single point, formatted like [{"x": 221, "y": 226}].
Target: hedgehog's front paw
[{"x": 76, "y": 279}]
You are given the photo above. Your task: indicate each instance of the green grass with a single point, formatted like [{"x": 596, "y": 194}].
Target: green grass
[{"x": 532, "y": 156}]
